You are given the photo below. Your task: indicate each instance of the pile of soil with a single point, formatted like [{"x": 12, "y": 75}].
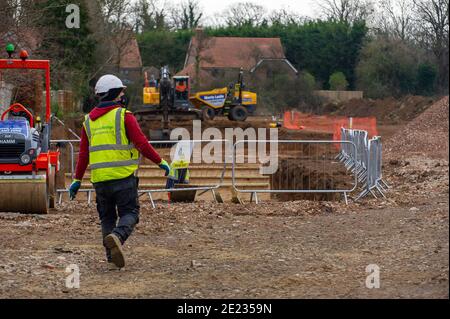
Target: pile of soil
[
  {"x": 425, "y": 135},
  {"x": 387, "y": 111}
]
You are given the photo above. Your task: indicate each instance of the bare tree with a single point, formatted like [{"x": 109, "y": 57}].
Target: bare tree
[
  {"x": 245, "y": 14},
  {"x": 10, "y": 10},
  {"x": 149, "y": 15},
  {"x": 114, "y": 29},
  {"x": 18, "y": 15},
  {"x": 346, "y": 10},
  {"x": 396, "y": 19},
  {"x": 202, "y": 44},
  {"x": 285, "y": 17},
  {"x": 433, "y": 22},
  {"x": 187, "y": 16},
  {"x": 116, "y": 12}
]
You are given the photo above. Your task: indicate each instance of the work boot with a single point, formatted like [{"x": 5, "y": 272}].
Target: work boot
[
  {"x": 113, "y": 242},
  {"x": 112, "y": 266}
]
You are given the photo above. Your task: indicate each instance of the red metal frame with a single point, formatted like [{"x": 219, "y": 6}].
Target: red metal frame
[
  {"x": 44, "y": 159},
  {"x": 33, "y": 65},
  {"x": 17, "y": 107}
]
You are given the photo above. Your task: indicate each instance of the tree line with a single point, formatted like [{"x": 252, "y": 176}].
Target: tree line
[{"x": 383, "y": 47}]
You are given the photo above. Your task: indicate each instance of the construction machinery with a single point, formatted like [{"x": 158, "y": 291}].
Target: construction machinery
[
  {"x": 166, "y": 100},
  {"x": 28, "y": 165},
  {"x": 231, "y": 101}
]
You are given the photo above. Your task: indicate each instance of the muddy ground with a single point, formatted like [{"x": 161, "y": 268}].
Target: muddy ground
[
  {"x": 300, "y": 249},
  {"x": 297, "y": 249}
]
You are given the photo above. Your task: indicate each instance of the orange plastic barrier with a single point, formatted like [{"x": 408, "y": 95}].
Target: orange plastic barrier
[
  {"x": 294, "y": 120},
  {"x": 368, "y": 124},
  {"x": 291, "y": 120}
]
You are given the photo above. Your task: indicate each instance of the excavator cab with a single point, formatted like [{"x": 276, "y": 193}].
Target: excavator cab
[{"x": 181, "y": 96}]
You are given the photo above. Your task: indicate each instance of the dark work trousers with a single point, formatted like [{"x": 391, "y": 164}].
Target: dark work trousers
[{"x": 118, "y": 207}]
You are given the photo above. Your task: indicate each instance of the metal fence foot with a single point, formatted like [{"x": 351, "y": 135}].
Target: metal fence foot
[
  {"x": 345, "y": 198},
  {"x": 151, "y": 200},
  {"x": 363, "y": 194},
  {"x": 89, "y": 197},
  {"x": 214, "y": 196},
  {"x": 256, "y": 199},
  {"x": 380, "y": 187},
  {"x": 254, "y": 196},
  {"x": 60, "y": 198},
  {"x": 380, "y": 191}
]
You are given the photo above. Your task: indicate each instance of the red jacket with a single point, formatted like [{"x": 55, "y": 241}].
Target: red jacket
[{"x": 134, "y": 134}]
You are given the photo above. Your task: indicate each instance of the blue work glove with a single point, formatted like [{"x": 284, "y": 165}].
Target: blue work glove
[
  {"x": 73, "y": 189},
  {"x": 165, "y": 166}
]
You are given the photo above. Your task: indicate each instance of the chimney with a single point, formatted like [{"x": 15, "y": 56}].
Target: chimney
[{"x": 199, "y": 32}]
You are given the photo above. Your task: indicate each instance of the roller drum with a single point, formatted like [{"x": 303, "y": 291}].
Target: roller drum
[{"x": 24, "y": 194}]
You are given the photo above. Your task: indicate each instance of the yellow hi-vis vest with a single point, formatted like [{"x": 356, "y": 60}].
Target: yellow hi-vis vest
[{"x": 111, "y": 156}]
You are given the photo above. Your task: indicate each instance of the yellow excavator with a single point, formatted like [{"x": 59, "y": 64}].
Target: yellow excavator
[{"x": 166, "y": 100}]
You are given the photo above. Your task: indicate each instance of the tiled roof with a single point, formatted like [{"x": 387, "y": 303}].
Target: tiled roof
[
  {"x": 231, "y": 52},
  {"x": 131, "y": 55}
]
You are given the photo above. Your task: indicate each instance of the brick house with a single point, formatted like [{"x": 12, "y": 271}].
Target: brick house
[{"x": 217, "y": 60}]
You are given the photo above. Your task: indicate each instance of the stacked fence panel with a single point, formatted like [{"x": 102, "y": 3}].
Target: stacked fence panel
[{"x": 366, "y": 162}]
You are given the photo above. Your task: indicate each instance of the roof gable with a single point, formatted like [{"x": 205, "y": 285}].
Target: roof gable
[{"x": 131, "y": 55}]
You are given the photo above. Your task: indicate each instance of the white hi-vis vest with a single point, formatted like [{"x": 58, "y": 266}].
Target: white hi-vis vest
[{"x": 111, "y": 156}]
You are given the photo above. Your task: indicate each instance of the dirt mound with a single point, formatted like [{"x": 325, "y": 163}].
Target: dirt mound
[
  {"x": 388, "y": 110},
  {"x": 425, "y": 135}
]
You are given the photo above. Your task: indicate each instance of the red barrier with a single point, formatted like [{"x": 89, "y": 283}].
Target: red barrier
[
  {"x": 368, "y": 124},
  {"x": 294, "y": 120},
  {"x": 291, "y": 120}
]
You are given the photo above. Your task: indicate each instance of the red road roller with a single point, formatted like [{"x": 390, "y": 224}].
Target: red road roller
[{"x": 27, "y": 164}]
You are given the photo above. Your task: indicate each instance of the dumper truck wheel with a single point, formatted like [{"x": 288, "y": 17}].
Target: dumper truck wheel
[
  {"x": 208, "y": 113},
  {"x": 238, "y": 113}
]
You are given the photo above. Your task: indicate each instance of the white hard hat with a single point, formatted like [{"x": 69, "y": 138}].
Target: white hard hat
[{"x": 108, "y": 82}]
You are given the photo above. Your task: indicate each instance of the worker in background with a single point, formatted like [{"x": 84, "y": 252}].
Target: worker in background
[
  {"x": 181, "y": 89},
  {"x": 111, "y": 141}
]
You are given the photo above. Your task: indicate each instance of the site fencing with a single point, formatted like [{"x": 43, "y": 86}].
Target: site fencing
[
  {"x": 212, "y": 187},
  {"x": 304, "y": 169},
  {"x": 366, "y": 162}
]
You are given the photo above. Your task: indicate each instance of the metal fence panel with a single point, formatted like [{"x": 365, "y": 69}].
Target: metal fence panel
[
  {"x": 149, "y": 192},
  {"x": 367, "y": 162},
  {"x": 310, "y": 163}
]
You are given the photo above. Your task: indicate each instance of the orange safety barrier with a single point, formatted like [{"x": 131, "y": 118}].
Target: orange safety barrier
[
  {"x": 291, "y": 121},
  {"x": 368, "y": 124},
  {"x": 294, "y": 120}
]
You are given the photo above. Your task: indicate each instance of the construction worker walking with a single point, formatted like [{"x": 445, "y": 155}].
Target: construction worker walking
[{"x": 110, "y": 144}]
